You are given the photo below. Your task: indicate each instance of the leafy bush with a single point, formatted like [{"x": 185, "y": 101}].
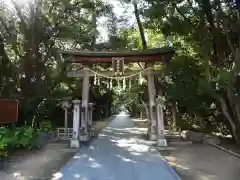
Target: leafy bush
[
  {"x": 45, "y": 126},
  {"x": 26, "y": 137},
  {"x": 3, "y": 151},
  {"x": 14, "y": 138},
  {"x": 7, "y": 138}
]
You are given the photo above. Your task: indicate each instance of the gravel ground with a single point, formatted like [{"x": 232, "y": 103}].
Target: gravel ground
[{"x": 203, "y": 162}]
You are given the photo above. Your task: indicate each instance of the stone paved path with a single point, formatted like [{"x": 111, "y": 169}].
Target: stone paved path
[{"x": 117, "y": 154}]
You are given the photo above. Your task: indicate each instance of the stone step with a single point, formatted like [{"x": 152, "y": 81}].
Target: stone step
[
  {"x": 173, "y": 137},
  {"x": 167, "y": 148},
  {"x": 180, "y": 143}
]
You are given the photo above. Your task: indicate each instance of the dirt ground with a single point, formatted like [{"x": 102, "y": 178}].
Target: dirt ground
[
  {"x": 199, "y": 161},
  {"x": 41, "y": 164},
  {"x": 203, "y": 162},
  {"x": 37, "y": 165}
]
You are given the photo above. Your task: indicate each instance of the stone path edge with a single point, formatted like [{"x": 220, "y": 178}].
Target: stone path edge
[
  {"x": 70, "y": 160},
  {"x": 169, "y": 167},
  {"x": 226, "y": 150},
  {"x": 171, "y": 170}
]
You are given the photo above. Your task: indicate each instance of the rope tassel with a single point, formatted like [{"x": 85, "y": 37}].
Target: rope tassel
[
  {"x": 95, "y": 79},
  {"x": 111, "y": 84},
  {"x": 98, "y": 82},
  {"x": 140, "y": 79},
  {"x": 131, "y": 78}
]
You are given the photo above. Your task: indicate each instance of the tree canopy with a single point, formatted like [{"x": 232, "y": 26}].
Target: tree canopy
[{"x": 200, "y": 86}]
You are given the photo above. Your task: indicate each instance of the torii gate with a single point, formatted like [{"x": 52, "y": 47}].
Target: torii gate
[{"x": 87, "y": 58}]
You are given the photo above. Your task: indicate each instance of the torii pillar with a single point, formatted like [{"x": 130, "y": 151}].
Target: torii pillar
[
  {"x": 85, "y": 97},
  {"x": 152, "y": 103},
  {"x": 156, "y": 115}
]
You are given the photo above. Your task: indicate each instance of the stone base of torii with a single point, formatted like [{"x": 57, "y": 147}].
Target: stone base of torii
[
  {"x": 82, "y": 127},
  {"x": 156, "y": 126},
  {"x": 82, "y": 123}
]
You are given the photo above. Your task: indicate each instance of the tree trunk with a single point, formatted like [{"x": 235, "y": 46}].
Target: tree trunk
[
  {"x": 229, "y": 118},
  {"x": 140, "y": 26},
  {"x": 94, "y": 26},
  {"x": 174, "y": 118}
]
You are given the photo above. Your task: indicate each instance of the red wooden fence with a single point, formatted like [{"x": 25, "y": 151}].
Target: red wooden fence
[{"x": 8, "y": 111}]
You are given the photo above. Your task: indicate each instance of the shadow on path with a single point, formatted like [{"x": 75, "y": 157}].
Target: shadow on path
[{"x": 117, "y": 154}]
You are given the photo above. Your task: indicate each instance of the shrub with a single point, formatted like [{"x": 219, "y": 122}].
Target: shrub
[
  {"x": 26, "y": 137},
  {"x": 45, "y": 126},
  {"x": 23, "y": 137}
]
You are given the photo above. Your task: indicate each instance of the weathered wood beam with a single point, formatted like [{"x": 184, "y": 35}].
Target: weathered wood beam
[
  {"x": 109, "y": 73},
  {"x": 149, "y": 55}
]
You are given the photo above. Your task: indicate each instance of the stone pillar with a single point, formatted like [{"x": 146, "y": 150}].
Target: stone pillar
[
  {"x": 152, "y": 103},
  {"x": 65, "y": 106},
  {"x": 85, "y": 94},
  {"x": 82, "y": 113},
  {"x": 90, "y": 130},
  {"x": 76, "y": 116},
  {"x": 90, "y": 116},
  {"x": 161, "y": 141},
  {"x": 66, "y": 120}
]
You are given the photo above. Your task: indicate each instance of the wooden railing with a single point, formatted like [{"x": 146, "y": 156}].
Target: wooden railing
[{"x": 64, "y": 134}]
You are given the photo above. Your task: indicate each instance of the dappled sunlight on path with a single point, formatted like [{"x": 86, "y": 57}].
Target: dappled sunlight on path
[{"x": 117, "y": 154}]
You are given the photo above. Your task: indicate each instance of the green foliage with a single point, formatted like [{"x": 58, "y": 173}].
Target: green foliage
[
  {"x": 45, "y": 126},
  {"x": 224, "y": 78},
  {"x": 15, "y": 138},
  {"x": 130, "y": 100},
  {"x": 32, "y": 69},
  {"x": 184, "y": 80},
  {"x": 26, "y": 137}
]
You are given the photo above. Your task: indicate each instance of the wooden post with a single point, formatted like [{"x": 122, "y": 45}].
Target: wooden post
[
  {"x": 152, "y": 103},
  {"x": 76, "y": 112}
]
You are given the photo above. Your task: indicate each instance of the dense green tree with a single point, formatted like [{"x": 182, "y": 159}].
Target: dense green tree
[
  {"x": 32, "y": 34},
  {"x": 208, "y": 29},
  {"x": 200, "y": 83}
]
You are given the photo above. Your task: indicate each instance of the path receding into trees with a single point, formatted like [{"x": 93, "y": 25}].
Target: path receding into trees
[{"x": 117, "y": 154}]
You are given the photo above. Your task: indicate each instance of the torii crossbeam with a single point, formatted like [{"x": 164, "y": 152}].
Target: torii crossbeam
[{"x": 148, "y": 56}]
